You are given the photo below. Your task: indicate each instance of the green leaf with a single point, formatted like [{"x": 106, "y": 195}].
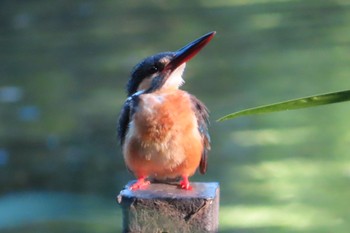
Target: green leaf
[{"x": 306, "y": 102}]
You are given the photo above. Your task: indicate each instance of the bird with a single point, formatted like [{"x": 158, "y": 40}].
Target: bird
[{"x": 163, "y": 130}]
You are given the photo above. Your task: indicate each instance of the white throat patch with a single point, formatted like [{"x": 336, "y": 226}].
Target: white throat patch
[{"x": 175, "y": 79}]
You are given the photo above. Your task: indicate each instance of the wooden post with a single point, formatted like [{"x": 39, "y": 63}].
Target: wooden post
[{"x": 167, "y": 208}]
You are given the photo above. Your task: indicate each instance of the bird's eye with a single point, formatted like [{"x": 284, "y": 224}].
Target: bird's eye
[
  {"x": 156, "y": 67},
  {"x": 153, "y": 69}
]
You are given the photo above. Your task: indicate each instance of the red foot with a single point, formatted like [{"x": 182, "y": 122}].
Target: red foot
[
  {"x": 139, "y": 184},
  {"x": 185, "y": 184}
]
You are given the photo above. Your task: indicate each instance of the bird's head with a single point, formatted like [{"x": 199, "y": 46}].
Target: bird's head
[{"x": 164, "y": 70}]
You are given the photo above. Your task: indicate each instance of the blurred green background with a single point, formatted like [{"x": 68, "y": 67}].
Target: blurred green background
[{"x": 63, "y": 68}]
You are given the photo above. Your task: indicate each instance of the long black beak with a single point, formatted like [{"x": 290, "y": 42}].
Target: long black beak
[{"x": 189, "y": 51}]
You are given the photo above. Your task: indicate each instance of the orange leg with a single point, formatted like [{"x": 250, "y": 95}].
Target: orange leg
[
  {"x": 140, "y": 183},
  {"x": 185, "y": 184}
]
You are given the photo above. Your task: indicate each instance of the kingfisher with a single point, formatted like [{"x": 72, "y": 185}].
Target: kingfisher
[{"x": 163, "y": 131}]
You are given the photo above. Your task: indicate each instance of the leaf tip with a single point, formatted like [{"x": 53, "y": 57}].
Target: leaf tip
[{"x": 221, "y": 119}]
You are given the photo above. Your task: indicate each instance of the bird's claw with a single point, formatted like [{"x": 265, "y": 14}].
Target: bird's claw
[
  {"x": 185, "y": 184},
  {"x": 139, "y": 184}
]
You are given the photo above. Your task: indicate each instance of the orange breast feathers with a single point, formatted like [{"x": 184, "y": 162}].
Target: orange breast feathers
[{"x": 163, "y": 140}]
